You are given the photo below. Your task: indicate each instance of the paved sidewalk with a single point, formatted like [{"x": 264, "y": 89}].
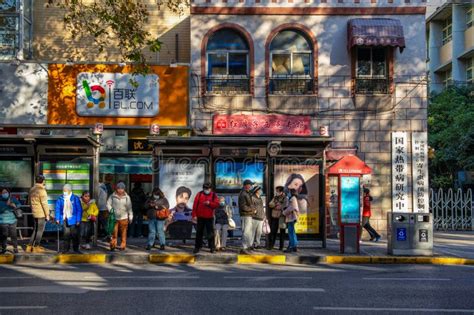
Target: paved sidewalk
[{"x": 447, "y": 244}]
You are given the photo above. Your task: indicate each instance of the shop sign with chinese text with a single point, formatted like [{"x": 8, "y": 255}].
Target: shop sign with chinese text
[
  {"x": 113, "y": 95},
  {"x": 399, "y": 172},
  {"x": 419, "y": 149},
  {"x": 273, "y": 124}
]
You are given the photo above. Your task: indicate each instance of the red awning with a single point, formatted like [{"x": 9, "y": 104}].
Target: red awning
[
  {"x": 375, "y": 32},
  {"x": 350, "y": 164}
]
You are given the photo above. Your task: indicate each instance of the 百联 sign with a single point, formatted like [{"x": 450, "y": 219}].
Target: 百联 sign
[
  {"x": 399, "y": 172},
  {"x": 113, "y": 95},
  {"x": 419, "y": 145}
]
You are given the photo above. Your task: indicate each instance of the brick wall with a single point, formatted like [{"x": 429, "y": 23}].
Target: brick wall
[{"x": 52, "y": 42}]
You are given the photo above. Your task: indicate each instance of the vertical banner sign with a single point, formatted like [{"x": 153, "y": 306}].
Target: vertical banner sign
[
  {"x": 399, "y": 172},
  {"x": 419, "y": 145}
]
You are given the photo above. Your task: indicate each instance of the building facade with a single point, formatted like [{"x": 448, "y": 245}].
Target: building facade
[
  {"x": 275, "y": 91},
  {"x": 451, "y": 45}
]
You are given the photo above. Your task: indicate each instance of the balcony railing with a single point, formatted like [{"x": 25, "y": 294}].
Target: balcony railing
[
  {"x": 372, "y": 86},
  {"x": 228, "y": 85},
  {"x": 291, "y": 85}
]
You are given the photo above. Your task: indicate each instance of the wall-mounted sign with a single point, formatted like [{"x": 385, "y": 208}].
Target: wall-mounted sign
[
  {"x": 140, "y": 145},
  {"x": 112, "y": 142},
  {"x": 262, "y": 125},
  {"x": 47, "y": 132},
  {"x": 113, "y": 95},
  {"x": 399, "y": 172},
  {"x": 419, "y": 149}
]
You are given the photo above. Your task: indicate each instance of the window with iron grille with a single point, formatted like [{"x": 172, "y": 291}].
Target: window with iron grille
[
  {"x": 372, "y": 71},
  {"x": 447, "y": 31},
  {"x": 15, "y": 29},
  {"x": 227, "y": 63},
  {"x": 291, "y": 59}
]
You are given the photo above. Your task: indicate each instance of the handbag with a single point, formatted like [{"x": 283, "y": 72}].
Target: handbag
[
  {"x": 110, "y": 222},
  {"x": 232, "y": 225},
  {"x": 18, "y": 213},
  {"x": 266, "y": 227},
  {"x": 162, "y": 214},
  {"x": 281, "y": 223}
]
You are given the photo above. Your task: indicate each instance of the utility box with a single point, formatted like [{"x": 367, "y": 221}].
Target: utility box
[{"x": 410, "y": 234}]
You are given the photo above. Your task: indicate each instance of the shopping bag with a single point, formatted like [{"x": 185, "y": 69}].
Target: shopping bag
[{"x": 110, "y": 222}]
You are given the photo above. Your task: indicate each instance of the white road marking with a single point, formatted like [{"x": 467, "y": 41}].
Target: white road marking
[
  {"x": 206, "y": 289},
  {"x": 23, "y": 307},
  {"x": 408, "y": 279},
  {"x": 90, "y": 287},
  {"x": 142, "y": 277},
  {"x": 268, "y": 277},
  {"x": 384, "y": 309}
]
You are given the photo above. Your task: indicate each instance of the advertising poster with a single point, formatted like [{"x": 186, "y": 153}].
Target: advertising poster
[
  {"x": 178, "y": 179},
  {"x": 350, "y": 200},
  {"x": 305, "y": 179},
  {"x": 231, "y": 175},
  {"x": 57, "y": 174},
  {"x": 16, "y": 174}
]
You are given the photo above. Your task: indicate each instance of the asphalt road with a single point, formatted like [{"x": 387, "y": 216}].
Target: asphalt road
[{"x": 236, "y": 289}]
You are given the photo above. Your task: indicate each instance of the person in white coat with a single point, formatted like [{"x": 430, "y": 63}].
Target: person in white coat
[{"x": 120, "y": 203}]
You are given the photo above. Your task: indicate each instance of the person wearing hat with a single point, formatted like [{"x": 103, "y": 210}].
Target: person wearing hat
[
  {"x": 205, "y": 203},
  {"x": 38, "y": 200},
  {"x": 121, "y": 204},
  {"x": 68, "y": 213},
  {"x": 366, "y": 214},
  {"x": 257, "y": 217},
  {"x": 246, "y": 210}
]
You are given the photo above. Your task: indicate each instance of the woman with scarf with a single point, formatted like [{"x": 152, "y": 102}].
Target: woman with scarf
[{"x": 68, "y": 213}]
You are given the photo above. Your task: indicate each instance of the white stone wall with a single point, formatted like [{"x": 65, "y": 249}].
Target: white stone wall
[{"x": 23, "y": 94}]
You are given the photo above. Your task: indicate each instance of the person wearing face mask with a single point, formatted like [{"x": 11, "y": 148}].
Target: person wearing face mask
[
  {"x": 68, "y": 213},
  {"x": 90, "y": 211},
  {"x": 38, "y": 200},
  {"x": 222, "y": 215},
  {"x": 121, "y": 204},
  {"x": 205, "y": 203},
  {"x": 8, "y": 220},
  {"x": 156, "y": 225},
  {"x": 277, "y": 220},
  {"x": 257, "y": 217}
]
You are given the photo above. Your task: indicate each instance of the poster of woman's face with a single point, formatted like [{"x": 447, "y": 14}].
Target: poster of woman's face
[{"x": 305, "y": 180}]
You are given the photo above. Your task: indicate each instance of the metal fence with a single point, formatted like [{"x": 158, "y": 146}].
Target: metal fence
[
  {"x": 452, "y": 209},
  {"x": 372, "y": 86}
]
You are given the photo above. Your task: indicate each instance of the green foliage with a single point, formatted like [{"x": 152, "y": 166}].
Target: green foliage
[
  {"x": 451, "y": 134},
  {"x": 122, "y": 21}
]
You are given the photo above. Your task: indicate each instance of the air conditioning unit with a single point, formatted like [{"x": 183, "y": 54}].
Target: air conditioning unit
[
  {"x": 240, "y": 152},
  {"x": 182, "y": 151}
]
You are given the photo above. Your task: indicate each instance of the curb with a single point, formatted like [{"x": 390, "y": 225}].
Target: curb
[
  {"x": 331, "y": 260},
  {"x": 261, "y": 259},
  {"x": 226, "y": 259}
]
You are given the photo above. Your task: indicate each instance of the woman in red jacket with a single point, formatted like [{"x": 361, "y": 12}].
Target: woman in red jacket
[{"x": 205, "y": 203}]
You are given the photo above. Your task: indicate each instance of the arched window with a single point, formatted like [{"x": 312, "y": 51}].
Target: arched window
[
  {"x": 291, "y": 63},
  {"x": 227, "y": 55}
]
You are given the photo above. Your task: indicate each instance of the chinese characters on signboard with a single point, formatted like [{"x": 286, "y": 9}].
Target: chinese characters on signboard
[
  {"x": 399, "y": 172},
  {"x": 419, "y": 144},
  {"x": 262, "y": 125}
]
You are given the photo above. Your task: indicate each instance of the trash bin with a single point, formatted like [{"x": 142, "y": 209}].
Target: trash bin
[{"x": 410, "y": 234}]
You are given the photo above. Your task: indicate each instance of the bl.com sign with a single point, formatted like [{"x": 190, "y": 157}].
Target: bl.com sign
[{"x": 112, "y": 95}]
